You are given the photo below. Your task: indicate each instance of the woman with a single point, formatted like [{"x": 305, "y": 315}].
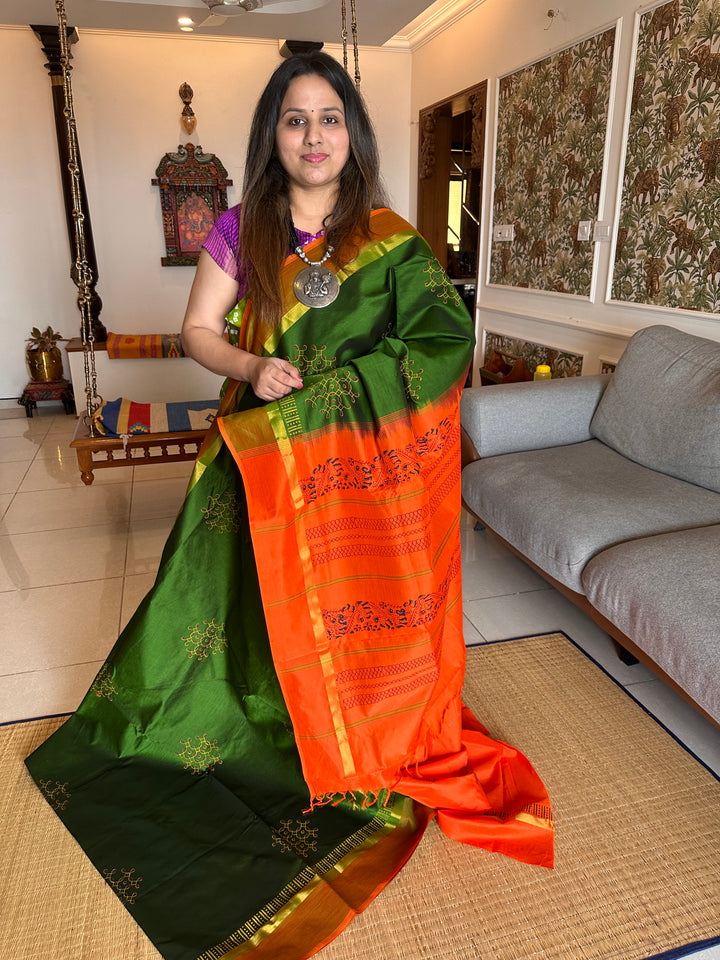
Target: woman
[{"x": 281, "y": 718}]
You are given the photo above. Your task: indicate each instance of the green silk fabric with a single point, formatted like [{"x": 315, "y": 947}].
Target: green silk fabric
[{"x": 179, "y": 774}]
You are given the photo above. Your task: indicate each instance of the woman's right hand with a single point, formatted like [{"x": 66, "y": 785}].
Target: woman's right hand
[
  {"x": 272, "y": 377},
  {"x": 211, "y": 298}
]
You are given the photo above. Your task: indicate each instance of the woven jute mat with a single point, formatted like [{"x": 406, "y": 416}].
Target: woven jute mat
[{"x": 638, "y": 841}]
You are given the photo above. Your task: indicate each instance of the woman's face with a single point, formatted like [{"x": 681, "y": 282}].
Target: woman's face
[{"x": 311, "y": 137}]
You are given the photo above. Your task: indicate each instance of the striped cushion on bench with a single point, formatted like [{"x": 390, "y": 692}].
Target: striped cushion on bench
[{"x": 120, "y": 417}]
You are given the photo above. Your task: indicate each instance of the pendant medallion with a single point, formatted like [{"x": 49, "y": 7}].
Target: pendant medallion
[{"x": 316, "y": 286}]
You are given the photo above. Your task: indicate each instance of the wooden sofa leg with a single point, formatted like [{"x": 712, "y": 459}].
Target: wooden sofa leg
[{"x": 625, "y": 655}]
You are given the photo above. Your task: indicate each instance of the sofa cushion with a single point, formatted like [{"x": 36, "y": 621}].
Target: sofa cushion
[
  {"x": 662, "y": 406},
  {"x": 663, "y": 592},
  {"x": 562, "y": 505}
]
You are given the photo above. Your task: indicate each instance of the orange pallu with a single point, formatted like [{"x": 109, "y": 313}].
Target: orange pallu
[{"x": 352, "y": 486}]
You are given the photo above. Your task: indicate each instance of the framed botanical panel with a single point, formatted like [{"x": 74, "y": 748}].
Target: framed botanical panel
[
  {"x": 551, "y": 134},
  {"x": 667, "y": 250},
  {"x": 193, "y": 193}
]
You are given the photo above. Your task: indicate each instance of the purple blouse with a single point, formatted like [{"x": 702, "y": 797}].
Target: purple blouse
[{"x": 223, "y": 241}]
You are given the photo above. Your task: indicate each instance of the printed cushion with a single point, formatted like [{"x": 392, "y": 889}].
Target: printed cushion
[{"x": 121, "y": 417}]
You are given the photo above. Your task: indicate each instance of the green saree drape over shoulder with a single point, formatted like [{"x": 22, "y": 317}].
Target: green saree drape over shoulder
[{"x": 269, "y": 737}]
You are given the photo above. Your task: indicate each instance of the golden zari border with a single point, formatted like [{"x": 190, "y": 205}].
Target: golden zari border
[{"x": 403, "y": 819}]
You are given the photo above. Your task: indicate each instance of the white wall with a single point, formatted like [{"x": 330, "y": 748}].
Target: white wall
[
  {"x": 125, "y": 89},
  {"x": 497, "y": 37}
]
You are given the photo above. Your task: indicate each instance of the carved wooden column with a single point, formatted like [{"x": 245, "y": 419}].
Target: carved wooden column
[
  {"x": 48, "y": 37},
  {"x": 433, "y": 179}
]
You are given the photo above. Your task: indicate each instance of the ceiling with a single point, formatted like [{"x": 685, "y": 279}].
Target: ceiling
[{"x": 378, "y": 20}]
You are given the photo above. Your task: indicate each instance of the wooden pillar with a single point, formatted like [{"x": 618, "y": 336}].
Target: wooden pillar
[
  {"x": 48, "y": 37},
  {"x": 434, "y": 179}
]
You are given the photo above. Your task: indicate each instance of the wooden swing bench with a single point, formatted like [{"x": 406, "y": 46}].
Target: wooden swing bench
[{"x": 99, "y": 452}]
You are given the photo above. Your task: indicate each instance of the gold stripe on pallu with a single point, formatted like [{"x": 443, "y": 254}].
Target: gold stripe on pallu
[{"x": 313, "y": 601}]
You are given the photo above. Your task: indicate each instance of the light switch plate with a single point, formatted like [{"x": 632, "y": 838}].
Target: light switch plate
[
  {"x": 504, "y": 231},
  {"x": 602, "y": 232},
  {"x": 584, "y": 229}
]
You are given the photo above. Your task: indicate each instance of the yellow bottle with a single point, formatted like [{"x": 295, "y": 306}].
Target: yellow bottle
[{"x": 542, "y": 372}]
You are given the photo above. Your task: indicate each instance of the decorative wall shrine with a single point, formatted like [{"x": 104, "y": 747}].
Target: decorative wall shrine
[
  {"x": 552, "y": 122},
  {"x": 193, "y": 194},
  {"x": 668, "y": 244}
]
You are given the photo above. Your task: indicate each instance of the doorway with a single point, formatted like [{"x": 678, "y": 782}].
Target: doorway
[{"x": 450, "y": 172}]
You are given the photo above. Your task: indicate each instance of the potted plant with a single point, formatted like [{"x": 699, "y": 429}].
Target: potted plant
[{"x": 42, "y": 355}]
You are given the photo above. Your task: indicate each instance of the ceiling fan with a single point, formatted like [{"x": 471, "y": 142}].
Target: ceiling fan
[{"x": 220, "y": 10}]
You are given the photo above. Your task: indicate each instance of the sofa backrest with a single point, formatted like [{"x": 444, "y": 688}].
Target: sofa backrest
[{"x": 662, "y": 406}]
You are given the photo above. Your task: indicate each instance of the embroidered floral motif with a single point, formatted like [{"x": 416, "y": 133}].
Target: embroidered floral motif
[
  {"x": 412, "y": 378},
  {"x": 295, "y": 836},
  {"x": 205, "y": 640},
  {"x": 223, "y": 512},
  {"x": 389, "y": 331},
  {"x": 126, "y": 885},
  {"x": 388, "y": 469},
  {"x": 202, "y": 756},
  {"x": 55, "y": 793},
  {"x": 103, "y": 685},
  {"x": 380, "y": 615},
  {"x": 310, "y": 365},
  {"x": 349, "y": 526},
  {"x": 438, "y": 282},
  {"x": 334, "y": 393}
]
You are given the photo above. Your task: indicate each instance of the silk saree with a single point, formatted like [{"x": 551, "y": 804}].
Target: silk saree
[{"x": 281, "y": 718}]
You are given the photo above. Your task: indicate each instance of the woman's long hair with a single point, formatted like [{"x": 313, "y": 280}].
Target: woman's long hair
[{"x": 265, "y": 218}]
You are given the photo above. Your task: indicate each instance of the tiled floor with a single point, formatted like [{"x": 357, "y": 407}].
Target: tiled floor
[{"x": 76, "y": 561}]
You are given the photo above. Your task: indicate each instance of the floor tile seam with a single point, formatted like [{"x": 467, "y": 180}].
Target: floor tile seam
[
  {"x": 24, "y": 476},
  {"x": 76, "y": 526},
  {"x": 3, "y": 513},
  {"x": 72, "y": 526},
  {"x": 53, "y": 669},
  {"x": 70, "y": 486},
  {"x": 515, "y": 593},
  {"x": 71, "y": 583}
]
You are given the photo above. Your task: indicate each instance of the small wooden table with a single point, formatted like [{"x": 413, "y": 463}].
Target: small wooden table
[{"x": 47, "y": 390}]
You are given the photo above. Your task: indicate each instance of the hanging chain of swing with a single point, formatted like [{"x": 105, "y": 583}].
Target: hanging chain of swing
[
  {"x": 82, "y": 272},
  {"x": 353, "y": 24}
]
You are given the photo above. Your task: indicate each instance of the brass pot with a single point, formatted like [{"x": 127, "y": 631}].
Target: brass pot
[{"x": 44, "y": 365}]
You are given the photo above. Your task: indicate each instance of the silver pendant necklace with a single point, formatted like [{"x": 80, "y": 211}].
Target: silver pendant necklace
[{"x": 315, "y": 285}]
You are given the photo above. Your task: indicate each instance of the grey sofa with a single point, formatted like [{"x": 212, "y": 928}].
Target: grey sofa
[{"x": 609, "y": 487}]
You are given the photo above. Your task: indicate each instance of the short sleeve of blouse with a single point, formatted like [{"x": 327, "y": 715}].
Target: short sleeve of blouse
[{"x": 222, "y": 242}]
